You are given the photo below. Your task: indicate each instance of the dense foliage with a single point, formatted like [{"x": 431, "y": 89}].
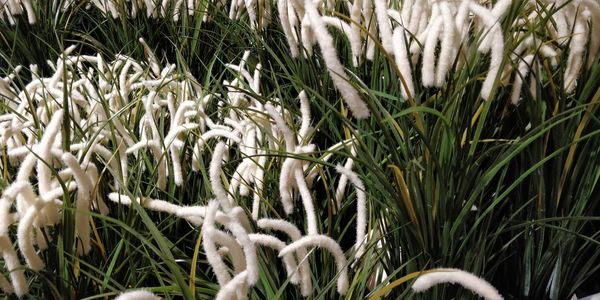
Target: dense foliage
[{"x": 497, "y": 175}]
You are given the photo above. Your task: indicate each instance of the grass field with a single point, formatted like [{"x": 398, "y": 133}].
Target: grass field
[{"x": 299, "y": 149}]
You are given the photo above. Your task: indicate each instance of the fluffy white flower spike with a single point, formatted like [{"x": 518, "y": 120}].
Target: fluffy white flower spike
[
  {"x": 234, "y": 289},
  {"x": 456, "y": 276},
  {"x": 213, "y": 257},
  {"x": 301, "y": 253},
  {"x": 326, "y": 242},
  {"x": 11, "y": 261},
  {"x": 497, "y": 46},
  {"x": 356, "y": 105},
  {"x": 235, "y": 250},
  {"x": 361, "y": 208},
  {"x": 137, "y": 295},
  {"x": 215, "y": 176},
  {"x": 84, "y": 190},
  {"x": 273, "y": 242},
  {"x": 403, "y": 63}
]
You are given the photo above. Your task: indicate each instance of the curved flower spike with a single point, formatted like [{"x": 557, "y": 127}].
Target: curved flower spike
[
  {"x": 449, "y": 46},
  {"x": 192, "y": 214},
  {"x": 593, "y": 7},
  {"x": 306, "y": 118},
  {"x": 497, "y": 47},
  {"x": 258, "y": 182},
  {"x": 5, "y": 286},
  {"x": 286, "y": 26},
  {"x": 307, "y": 34},
  {"x": 151, "y": 57},
  {"x": 456, "y": 276},
  {"x": 401, "y": 57},
  {"x": 522, "y": 72},
  {"x": 248, "y": 247},
  {"x": 221, "y": 131},
  {"x": 275, "y": 243},
  {"x": 307, "y": 201},
  {"x": 241, "y": 235},
  {"x": 45, "y": 156},
  {"x": 385, "y": 30},
  {"x": 356, "y": 18},
  {"x": 212, "y": 255},
  {"x": 226, "y": 240},
  {"x": 285, "y": 130},
  {"x": 11, "y": 262},
  {"x": 25, "y": 238},
  {"x": 428, "y": 65},
  {"x": 84, "y": 189},
  {"x": 323, "y": 241},
  {"x": 341, "y": 188},
  {"x": 361, "y": 208},
  {"x": 137, "y": 295},
  {"x": 286, "y": 184},
  {"x": 356, "y": 105},
  {"x": 234, "y": 289},
  {"x": 500, "y": 7},
  {"x": 576, "y": 51},
  {"x": 294, "y": 233},
  {"x": 345, "y": 28},
  {"x": 215, "y": 176}
]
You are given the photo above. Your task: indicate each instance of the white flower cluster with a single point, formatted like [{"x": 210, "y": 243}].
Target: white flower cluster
[
  {"x": 410, "y": 32},
  {"x": 306, "y": 18},
  {"x": 33, "y": 135},
  {"x": 151, "y": 8},
  {"x": 435, "y": 31},
  {"x": 258, "y": 10},
  {"x": 65, "y": 144},
  {"x": 576, "y": 23},
  {"x": 11, "y": 8},
  {"x": 573, "y": 24},
  {"x": 255, "y": 130}
]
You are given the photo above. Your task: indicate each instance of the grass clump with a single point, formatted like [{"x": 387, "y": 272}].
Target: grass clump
[{"x": 296, "y": 149}]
